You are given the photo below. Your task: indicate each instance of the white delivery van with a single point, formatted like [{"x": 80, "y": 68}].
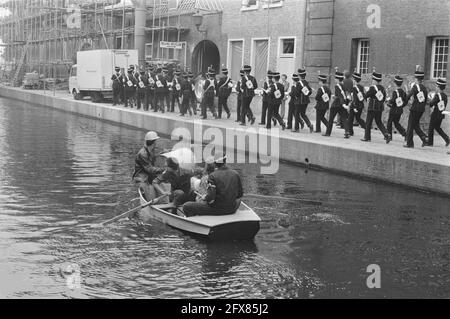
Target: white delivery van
[{"x": 91, "y": 76}]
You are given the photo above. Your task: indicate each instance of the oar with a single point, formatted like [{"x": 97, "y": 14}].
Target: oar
[
  {"x": 304, "y": 201},
  {"x": 131, "y": 211}
]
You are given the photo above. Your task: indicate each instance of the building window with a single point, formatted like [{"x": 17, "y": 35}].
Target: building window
[
  {"x": 439, "y": 58},
  {"x": 260, "y": 58},
  {"x": 287, "y": 46},
  {"x": 272, "y": 3},
  {"x": 362, "y": 64},
  {"x": 149, "y": 51},
  {"x": 249, "y": 4},
  {"x": 118, "y": 43}
]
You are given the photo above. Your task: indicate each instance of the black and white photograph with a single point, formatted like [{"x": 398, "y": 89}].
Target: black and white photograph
[{"x": 234, "y": 150}]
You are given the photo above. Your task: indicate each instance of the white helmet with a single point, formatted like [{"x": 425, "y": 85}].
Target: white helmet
[{"x": 151, "y": 136}]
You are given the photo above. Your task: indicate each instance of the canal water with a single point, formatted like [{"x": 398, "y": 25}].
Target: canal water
[{"x": 59, "y": 170}]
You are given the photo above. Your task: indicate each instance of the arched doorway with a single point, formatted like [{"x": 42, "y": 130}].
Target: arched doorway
[{"x": 205, "y": 54}]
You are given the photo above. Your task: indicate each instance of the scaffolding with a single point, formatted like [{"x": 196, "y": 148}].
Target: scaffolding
[{"x": 36, "y": 35}]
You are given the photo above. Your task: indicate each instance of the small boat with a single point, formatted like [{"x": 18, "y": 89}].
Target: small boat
[{"x": 244, "y": 224}]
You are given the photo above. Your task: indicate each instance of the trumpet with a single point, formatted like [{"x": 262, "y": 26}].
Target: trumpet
[{"x": 431, "y": 95}]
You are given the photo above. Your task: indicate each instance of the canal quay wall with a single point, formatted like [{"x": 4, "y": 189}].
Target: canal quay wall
[{"x": 426, "y": 169}]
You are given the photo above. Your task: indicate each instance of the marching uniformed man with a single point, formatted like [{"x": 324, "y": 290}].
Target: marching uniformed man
[
  {"x": 265, "y": 97},
  {"x": 117, "y": 85},
  {"x": 176, "y": 91},
  {"x": 193, "y": 96},
  {"x": 439, "y": 104},
  {"x": 420, "y": 95},
  {"x": 323, "y": 96},
  {"x": 225, "y": 84},
  {"x": 294, "y": 105},
  {"x": 276, "y": 95},
  {"x": 142, "y": 85},
  {"x": 357, "y": 104},
  {"x": 239, "y": 97},
  {"x": 338, "y": 105},
  {"x": 151, "y": 96},
  {"x": 160, "y": 91},
  {"x": 248, "y": 86},
  {"x": 130, "y": 84},
  {"x": 167, "y": 81},
  {"x": 376, "y": 96},
  {"x": 396, "y": 104},
  {"x": 305, "y": 92},
  {"x": 186, "y": 98},
  {"x": 209, "y": 89}
]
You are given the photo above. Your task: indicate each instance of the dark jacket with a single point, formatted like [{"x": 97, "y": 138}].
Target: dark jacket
[
  {"x": 227, "y": 187},
  {"x": 144, "y": 165},
  {"x": 375, "y": 104},
  {"x": 276, "y": 86},
  {"x": 418, "y": 106},
  {"x": 246, "y": 91},
  {"x": 266, "y": 85},
  {"x": 321, "y": 104},
  {"x": 179, "y": 179},
  {"x": 435, "y": 101},
  {"x": 339, "y": 96},
  {"x": 129, "y": 85},
  {"x": 304, "y": 99},
  {"x": 117, "y": 81},
  {"x": 223, "y": 89},
  {"x": 163, "y": 82},
  {"x": 210, "y": 87},
  {"x": 357, "y": 91},
  {"x": 396, "y": 109},
  {"x": 175, "y": 91},
  {"x": 144, "y": 80},
  {"x": 295, "y": 93}
]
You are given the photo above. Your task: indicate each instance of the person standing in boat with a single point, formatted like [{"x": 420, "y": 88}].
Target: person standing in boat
[
  {"x": 223, "y": 194},
  {"x": 145, "y": 170},
  {"x": 180, "y": 184}
]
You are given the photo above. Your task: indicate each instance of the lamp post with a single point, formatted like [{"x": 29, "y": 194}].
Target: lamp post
[{"x": 198, "y": 21}]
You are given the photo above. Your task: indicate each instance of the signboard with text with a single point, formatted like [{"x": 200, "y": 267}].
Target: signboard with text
[{"x": 171, "y": 45}]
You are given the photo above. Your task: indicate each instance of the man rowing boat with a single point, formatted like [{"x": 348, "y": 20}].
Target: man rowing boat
[
  {"x": 145, "y": 170},
  {"x": 223, "y": 194}
]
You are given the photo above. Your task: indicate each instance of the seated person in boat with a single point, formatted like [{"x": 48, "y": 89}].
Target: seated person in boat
[
  {"x": 199, "y": 183},
  {"x": 180, "y": 183},
  {"x": 144, "y": 169},
  {"x": 223, "y": 193}
]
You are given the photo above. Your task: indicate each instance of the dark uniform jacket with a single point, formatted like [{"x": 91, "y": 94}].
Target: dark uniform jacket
[
  {"x": 321, "y": 104},
  {"x": 375, "y": 104},
  {"x": 357, "y": 91},
  {"x": 144, "y": 165},
  {"x": 418, "y": 106},
  {"x": 132, "y": 79},
  {"x": 210, "y": 87},
  {"x": 224, "y": 90},
  {"x": 239, "y": 89},
  {"x": 339, "y": 96},
  {"x": 436, "y": 103},
  {"x": 186, "y": 89},
  {"x": 266, "y": 85},
  {"x": 163, "y": 88},
  {"x": 274, "y": 87},
  {"x": 395, "y": 109},
  {"x": 295, "y": 93},
  {"x": 175, "y": 81},
  {"x": 227, "y": 187},
  {"x": 117, "y": 81},
  {"x": 304, "y": 99},
  {"x": 144, "y": 80},
  {"x": 246, "y": 91}
]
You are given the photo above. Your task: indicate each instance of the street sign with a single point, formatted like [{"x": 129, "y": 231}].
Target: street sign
[{"x": 171, "y": 45}]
